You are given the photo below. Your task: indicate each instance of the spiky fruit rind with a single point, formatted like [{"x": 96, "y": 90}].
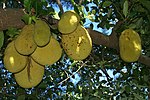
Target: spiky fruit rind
[
  {"x": 68, "y": 22},
  {"x": 41, "y": 33},
  {"x": 48, "y": 54},
  {"x": 24, "y": 43},
  {"x": 13, "y": 61},
  {"x": 77, "y": 44},
  {"x": 130, "y": 45},
  {"x": 31, "y": 76}
]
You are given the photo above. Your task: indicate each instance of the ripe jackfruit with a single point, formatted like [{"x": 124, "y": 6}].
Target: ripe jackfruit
[
  {"x": 48, "y": 54},
  {"x": 41, "y": 33},
  {"x": 31, "y": 76},
  {"x": 24, "y": 43},
  {"x": 13, "y": 61},
  {"x": 68, "y": 22},
  {"x": 77, "y": 44},
  {"x": 130, "y": 45}
]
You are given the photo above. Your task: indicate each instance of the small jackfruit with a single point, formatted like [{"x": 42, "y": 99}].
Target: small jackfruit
[
  {"x": 31, "y": 76},
  {"x": 13, "y": 61},
  {"x": 48, "y": 54},
  {"x": 68, "y": 22},
  {"x": 42, "y": 33},
  {"x": 77, "y": 44},
  {"x": 130, "y": 45},
  {"x": 24, "y": 43}
]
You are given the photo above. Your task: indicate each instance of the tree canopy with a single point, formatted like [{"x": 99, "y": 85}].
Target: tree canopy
[{"x": 103, "y": 75}]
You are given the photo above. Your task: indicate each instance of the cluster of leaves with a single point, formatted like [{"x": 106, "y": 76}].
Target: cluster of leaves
[{"x": 103, "y": 75}]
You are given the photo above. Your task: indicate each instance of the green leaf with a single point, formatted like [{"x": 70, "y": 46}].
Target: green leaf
[
  {"x": 27, "y": 5},
  {"x": 125, "y": 8},
  {"x": 139, "y": 22},
  {"x": 42, "y": 85},
  {"x": 21, "y": 97},
  {"x": 73, "y": 3},
  {"x": 12, "y": 32},
  {"x": 33, "y": 18},
  {"x": 132, "y": 26},
  {"x": 94, "y": 98},
  {"x": 25, "y": 18},
  {"x": 127, "y": 88},
  {"x": 1, "y": 38},
  {"x": 30, "y": 20},
  {"x": 106, "y": 4},
  {"x": 90, "y": 17},
  {"x": 146, "y": 3},
  {"x": 138, "y": 96},
  {"x": 21, "y": 94}
]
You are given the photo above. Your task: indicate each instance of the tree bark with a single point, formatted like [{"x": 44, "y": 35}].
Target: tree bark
[{"x": 12, "y": 18}]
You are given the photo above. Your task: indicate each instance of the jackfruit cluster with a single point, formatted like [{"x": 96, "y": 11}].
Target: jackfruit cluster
[
  {"x": 27, "y": 55},
  {"x": 75, "y": 39},
  {"x": 35, "y": 47}
]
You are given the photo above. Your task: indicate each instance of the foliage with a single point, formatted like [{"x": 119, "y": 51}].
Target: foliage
[{"x": 103, "y": 75}]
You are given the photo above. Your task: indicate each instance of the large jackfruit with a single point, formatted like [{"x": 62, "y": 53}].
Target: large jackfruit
[
  {"x": 24, "y": 43},
  {"x": 42, "y": 33},
  {"x": 13, "y": 61},
  {"x": 48, "y": 54},
  {"x": 31, "y": 76},
  {"x": 68, "y": 22},
  {"x": 77, "y": 44},
  {"x": 130, "y": 45}
]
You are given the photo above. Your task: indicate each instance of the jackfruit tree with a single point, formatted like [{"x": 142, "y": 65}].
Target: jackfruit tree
[{"x": 75, "y": 49}]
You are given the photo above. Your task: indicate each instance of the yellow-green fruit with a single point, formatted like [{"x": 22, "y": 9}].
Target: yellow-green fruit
[
  {"x": 48, "y": 54},
  {"x": 13, "y": 61},
  {"x": 78, "y": 44},
  {"x": 24, "y": 43},
  {"x": 130, "y": 45},
  {"x": 42, "y": 33},
  {"x": 68, "y": 22},
  {"x": 31, "y": 76}
]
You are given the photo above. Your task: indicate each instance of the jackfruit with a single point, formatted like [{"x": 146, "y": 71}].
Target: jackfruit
[
  {"x": 24, "y": 43},
  {"x": 48, "y": 54},
  {"x": 77, "y": 44},
  {"x": 31, "y": 76},
  {"x": 130, "y": 45},
  {"x": 41, "y": 33},
  {"x": 68, "y": 22},
  {"x": 13, "y": 61}
]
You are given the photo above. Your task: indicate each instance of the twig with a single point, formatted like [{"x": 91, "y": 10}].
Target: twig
[
  {"x": 72, "y": 74},
  {"x": 118, "y": 11},
  {"x": 66, "y": 73},
  {"x": 60, "y": 6},
  {"x": 103, "y": 70},
  {"x": 80, "y": 2}
]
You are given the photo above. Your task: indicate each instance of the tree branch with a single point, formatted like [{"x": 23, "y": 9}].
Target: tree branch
[
  {"x": 101, "y": 39},
  {"x": 72, "y": 74},
  {"x": 80, "y": 2},
  {"x": 60, "y": 6},
  {"x": 12, "y": 18},
  {"x": 145, "y": 60}
]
